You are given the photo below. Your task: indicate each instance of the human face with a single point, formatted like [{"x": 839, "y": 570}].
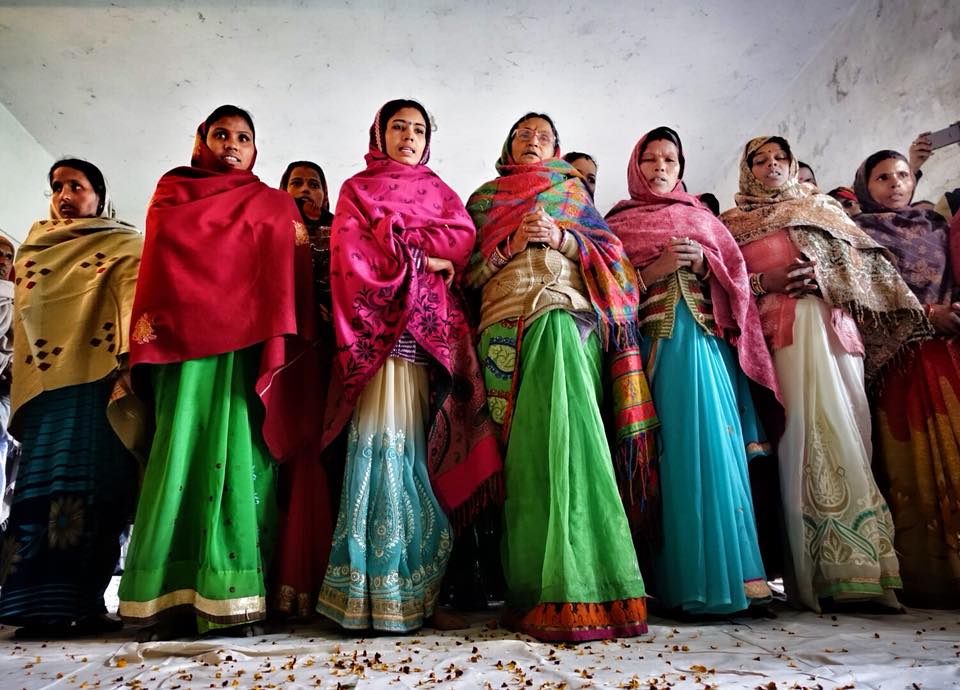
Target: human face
[
  {"x": 588, "y": 169},
  {"x": 850, "y": 206},
  {"x": 805, "y": 175},
  {"x": 406, "y": 136},
  {"x": 660, "y": 165},
  {"x": 891, "y": 184},
  {"x": 771, "y": 165},
  {"x": 6, "y": 259},
  {"x": 532, "y": 142},
  {"x": 305, "y": 186},
  {"x": 231, "y": 141},
  {"x": 73, "y": 195}
]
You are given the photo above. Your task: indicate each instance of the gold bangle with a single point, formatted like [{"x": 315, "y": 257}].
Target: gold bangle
[
  {"x": 756, "y": 284},
  {"x": 640, "y": 283}
]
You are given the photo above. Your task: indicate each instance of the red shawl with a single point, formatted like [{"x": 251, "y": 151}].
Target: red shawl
[
  {"x": 647, "y": 221},
  {"x": 226, "y": 265},
  {"x": 390, "y": 217}
]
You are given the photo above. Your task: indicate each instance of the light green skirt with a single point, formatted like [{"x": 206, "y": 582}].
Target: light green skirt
[{"x": 207, "y": 509}]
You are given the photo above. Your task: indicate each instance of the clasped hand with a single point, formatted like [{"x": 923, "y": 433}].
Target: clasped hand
[
  {"x": 536, "y": 227},
  {"x": 795, "y": 279},
  {"x": 681, "y": 252}
]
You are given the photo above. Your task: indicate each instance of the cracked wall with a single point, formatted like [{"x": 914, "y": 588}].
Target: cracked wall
[{"x": 889, "y": 71}]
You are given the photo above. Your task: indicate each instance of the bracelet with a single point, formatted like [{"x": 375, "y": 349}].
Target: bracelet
[
  {"x": 756, "y": 286},
  {"x": 640, "y": 284},
  {"x": 928, "y": 310},
  {"x": 497, "y": 259},
  {"x": 509, "y": 249}
]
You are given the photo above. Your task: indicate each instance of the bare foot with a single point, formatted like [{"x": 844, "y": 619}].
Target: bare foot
[{"x": 446, "y": 619}]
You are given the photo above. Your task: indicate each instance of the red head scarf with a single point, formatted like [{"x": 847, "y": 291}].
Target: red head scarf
[
  {"x": 390, "y": 217},
  {"x": 226, "y": 265},
  {"x": 647, "y": 221}
]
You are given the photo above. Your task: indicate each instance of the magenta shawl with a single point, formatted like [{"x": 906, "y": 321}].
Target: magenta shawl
[
  {"x": 647, "y": 221},
  {"x": 390, "y": 217}
]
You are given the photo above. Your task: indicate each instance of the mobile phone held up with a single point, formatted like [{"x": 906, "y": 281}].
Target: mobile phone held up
[{"x": 945, "y": 137}]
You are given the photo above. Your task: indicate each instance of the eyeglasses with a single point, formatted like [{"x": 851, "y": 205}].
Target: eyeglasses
[{"x": 525, "y": 135}]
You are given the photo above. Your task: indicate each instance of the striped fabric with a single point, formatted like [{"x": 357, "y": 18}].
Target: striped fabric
[{"x": 74, "y": 495}]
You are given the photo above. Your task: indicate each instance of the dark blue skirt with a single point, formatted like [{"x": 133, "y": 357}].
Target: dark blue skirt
[{"x": 74, "y": 495}]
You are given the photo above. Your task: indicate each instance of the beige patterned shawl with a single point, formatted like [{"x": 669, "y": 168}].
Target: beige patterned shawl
[
  {"x": 75, "y": 280},
  {"x": 852, "y": 270}
]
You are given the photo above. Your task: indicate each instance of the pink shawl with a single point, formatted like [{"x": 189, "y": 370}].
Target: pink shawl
[
  {"x": 390, "y": 217},
  {"x": 647, "y": 221}
]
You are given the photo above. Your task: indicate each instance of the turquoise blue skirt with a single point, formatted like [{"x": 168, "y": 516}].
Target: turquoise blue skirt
[
  {"x": 392, "y": 539},
  {"x": 710, "y": 560}
]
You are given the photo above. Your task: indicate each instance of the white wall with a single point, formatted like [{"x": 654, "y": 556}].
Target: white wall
[
  {"x": 889, "y": 71},
  {"x": 23, "y": 170}
]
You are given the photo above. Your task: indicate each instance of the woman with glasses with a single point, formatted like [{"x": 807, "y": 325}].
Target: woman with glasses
[{"x": 558, "y": 299}]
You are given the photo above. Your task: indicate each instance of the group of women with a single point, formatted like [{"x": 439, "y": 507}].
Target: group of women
[{"x": 317, "y": 407}]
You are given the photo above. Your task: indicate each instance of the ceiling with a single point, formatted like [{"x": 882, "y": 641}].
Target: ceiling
[{"x": 125, "y": 85}]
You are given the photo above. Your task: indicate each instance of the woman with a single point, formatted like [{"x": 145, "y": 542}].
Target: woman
[
  {"x": 805, "y": 174},
  {"x": 306, "y": 490},
  {"x": 75, "y": 278},
  {"x": 697, "y": 294},
  {"x": 235, "y": 329},
  {"x": 9, "y": 448},
  {"x": 421, "y": 452},
  {"x": 557, "y": 291},
  {"x": 847, "y": 198},
  {"x": 919, "y": 435},
  {"x": 587, "y": 167},
  {"x": 833, "y": 311}
]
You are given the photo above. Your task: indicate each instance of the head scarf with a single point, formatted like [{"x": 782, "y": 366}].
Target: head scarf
[
  {"x": 853, "y": 271},
  {"x": 647, "y": 221},
  {"x": 203, "y": 157},
  {"x": 390, "y": 219},
  {"x": 74, "y": 290},
  {"x": 227, "y": 265},
  {"x": 843, "y": 193},
  {"x": 918, "y": 239},
  {"x": 497, "y": 208}
]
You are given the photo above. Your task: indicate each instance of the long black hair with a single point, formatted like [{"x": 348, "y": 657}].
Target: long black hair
[
  {"x": 92, "y": 174},
  {"x": 228, "y": 110}
]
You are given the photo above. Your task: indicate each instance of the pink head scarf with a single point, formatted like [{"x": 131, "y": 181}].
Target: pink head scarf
[{"x": 647, "y": 221}]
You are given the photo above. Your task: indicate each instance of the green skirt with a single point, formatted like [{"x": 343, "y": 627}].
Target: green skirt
[
  {"x": 568, "y": 557},
  {"x": 207, "y": 508}
]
